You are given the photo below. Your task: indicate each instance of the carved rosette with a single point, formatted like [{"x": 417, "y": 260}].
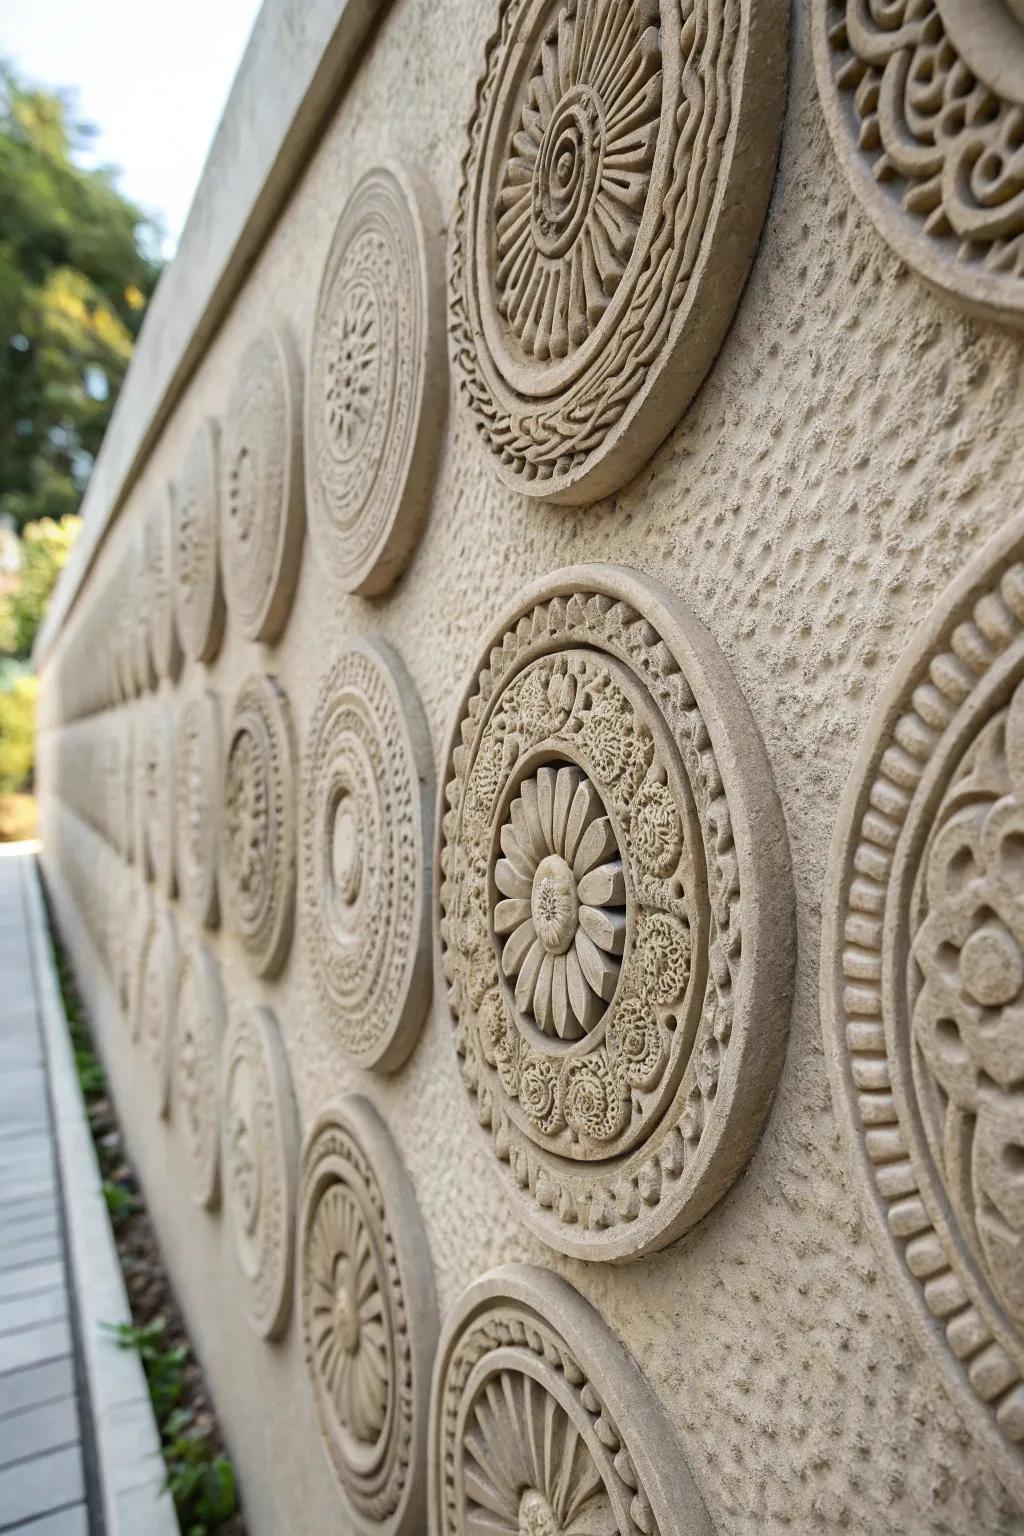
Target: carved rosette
[
  {"x": 620, "y": 161},
  {"x": 158, "y": 608},
  {"x": 542, "y": 1424},
  {"x": 377, "y": 390},
  {"x": 197, "y": 799},
  {"x": 369, "y": 1315},
  {"x": 257, "y": 861},
  {"x": 153, "y": 1014},
  {"x": 262, "y": 516},
  {"x": 923, "y": 987},
  {"x": 195, "y": 1066},
  {"x": 368, "y": 826},
  {"x": 616, "y": 913},
  {"x": 259, "y": 1159},
  {"x": 199, "y": 597},
  {"x": 925, "y": 105},
  {"x": 154, "y": 796}
]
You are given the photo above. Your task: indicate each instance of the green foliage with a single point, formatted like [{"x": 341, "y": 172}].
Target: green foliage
[
  {"x": 42, "y": 551},
  {"x": 121, "y": 1203},
  {"x": 164, "y": 1368},
  {"x": 76, "y": 272},
  {"x": 17, "y": 734}
]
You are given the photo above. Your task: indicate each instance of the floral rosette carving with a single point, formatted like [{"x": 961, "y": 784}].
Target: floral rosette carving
[
  {"x": 925, "y": 103},
  {"x": 620, "y": 161},
  {"x": 158, "y": 606},
  {"x": 197, "y": 797},
  {"x": 375, "y": 402},
  {"x": 604, "y": 952},
  {"x": 542, "y": 1424},
  {"x": 199, "y": 596},
  {"x": 368, "y": 825},
  {"x": 257, "y": 827},
  {"x": 259, "y": 1159},
  {"x": 369, "y": 1315},
  {"x": 198, "y": 1041},
  {"x": 262, "y": 511},
  {"x": 154, "y": 798},
  {"x": 923, "y": 987},
  {"x": 153, "y": 1012}
]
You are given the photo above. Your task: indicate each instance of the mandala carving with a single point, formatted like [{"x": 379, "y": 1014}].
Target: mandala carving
[
  {"x": 153, "y": 1015},
  {"x": 158, "y": 608},
  {"x": 257, "y": 863},
  {"x": 542, "y": 1424},
  {"x": 369, "y": 1315},
  {"x": 377, "y": 388},
  {"x": 923, "y": 986},
  {"x": 620, "y": 162},
  {"x": 616, "y": 918},
  {"x": 259, "y": 1161},
  {"x": 262, "y": 517},
  {"x": 199, "y": 596},
  {"x": 198, "y": 1042},
  {"x": 154, "y": 797},
  {"x": 368, "y": 828},
  {"x": 197, "y": 799},
  {"x": 925, "y": 103}
]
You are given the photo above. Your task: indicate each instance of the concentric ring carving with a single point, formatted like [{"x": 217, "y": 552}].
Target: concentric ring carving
[
  {"x": 197, "y": 799},
  {"x": 198, "y": 1042},
  {"x": 620, "y": 162},
  {"x": 616, "y": 913},
  {"x": 369, "y": 1315},
  {"x": 259, "y": 1158},
  {"x": 542, "y": 1424},
  {"x": 199, "y": 596},
  {"x": 923, "y": 986},
  {"x": 153, "y": 1014},
  {"x": 368, "y": 825},
  {"x": 257, "y": 863},
  {"x": 158, "y": 609},
  {"x": 376, "y": 396},
  {"x": 154, "y": 760},
  {"x": 262, "y": 515}
]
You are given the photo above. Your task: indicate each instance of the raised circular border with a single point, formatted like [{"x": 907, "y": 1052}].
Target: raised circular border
[
  {"x": 159, "y": 938},
  {"x": 159, "y": 614},
  {"x": 197, "y": 883},
  {"x": 199, "y": 607},
  {"x": 202, "y": 1149}
]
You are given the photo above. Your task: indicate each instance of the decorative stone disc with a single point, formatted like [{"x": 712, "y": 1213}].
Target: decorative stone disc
[
  {"x": 257, "y": 864},
  {"x": 541, "y": 1423},
  {"x": 159, "y": 598},
  {"x": 925, "y": 105},
  {"x": 620, "y": 162},
  {"x": 153, "y": 1021},
  {"x": 198, "y": 782},
  {"x": 368, "y": 825},
  {"x": 199, "y": 597},
  {"x": 260, "y": 1159},
  {"x": 198, "y": 1042},
  {"x": 369, "y": 1316},
  {"x": 155, "y": 795},
  {"x": 616, "y": 912},
  {"x": 923, "y": 987},
  {"x": 262, "y": 518},
  {"x": 377, "y": 388}
]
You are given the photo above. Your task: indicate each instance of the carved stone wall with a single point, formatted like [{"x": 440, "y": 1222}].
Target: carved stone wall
[{"x": 555, "y": 924}]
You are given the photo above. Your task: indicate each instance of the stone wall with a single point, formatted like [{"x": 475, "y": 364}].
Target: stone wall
[{"x": 531, "y": 767}]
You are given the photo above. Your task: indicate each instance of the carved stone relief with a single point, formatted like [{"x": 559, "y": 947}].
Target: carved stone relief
[
  {"x": 616, "y": 913},
  {"x": 542, "y": 1424},
  {"x": 368, "y": 828},
  {"x": 377, "y": 388},
  {"x": 620, "y": 162},
  {"x": 257, "y": 861},
  {"x": 260, "y": 1154},
  {"x": 197, "y": 798},
  {"x": 262, "y": 516},
  {"x": 369, "y": 1316},
  {"x": 198, "y": 1042},
  {"x": 925, "y": 105},
  {"x": 923, "y": 987},
  {"x": 158, "y": 608},
  {"x": 155, "y": 795},
  {"x": 153, "y": 1017},
  {"x": 199, "y": 596}
]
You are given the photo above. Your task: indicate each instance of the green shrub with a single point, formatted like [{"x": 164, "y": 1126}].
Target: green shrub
[{"x": 17, "y": 734}]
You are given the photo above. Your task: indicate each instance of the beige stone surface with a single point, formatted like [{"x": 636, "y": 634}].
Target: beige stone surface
[{"x": 855, "y": 442}]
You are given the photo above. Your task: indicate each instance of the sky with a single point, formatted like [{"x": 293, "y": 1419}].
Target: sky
[{"x": 151, "y": 75}]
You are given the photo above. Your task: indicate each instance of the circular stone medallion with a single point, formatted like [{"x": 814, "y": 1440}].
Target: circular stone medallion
[
  {"x": 368, "y": 823},
  {"x": 620, "y": 161},
  {"x": 154, "y": 766},
  {"x": 923, "y": 986},
  {"x": 541, "y": 1423},
  {"x": 197, "y": 796},
  {"x": 257, "y": 864},
  {"x": 153, "y": 1014},
  {"x": 199, "y": 598},
  {"x": 262, "y": 517},
  {"x": 158, "y": 612},
  {"x": 369, "y": 1316},
  {"x": 198, "y": 1040},
  {"x": 925, "y": 105},
  {"x": 377, "y": 388},
  {"x": 616, "y": 912},
  {"x": 259, "y": 1160}
]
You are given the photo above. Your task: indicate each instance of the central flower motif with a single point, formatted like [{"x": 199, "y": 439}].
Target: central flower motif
[
  {"x": 536, "y": 1517},
  {"x": 243, "y": 493},
  {"x": 353, "y": 367},
  {"x": 348, "y": 1322},
  {"x": 563, "y": 916}
]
